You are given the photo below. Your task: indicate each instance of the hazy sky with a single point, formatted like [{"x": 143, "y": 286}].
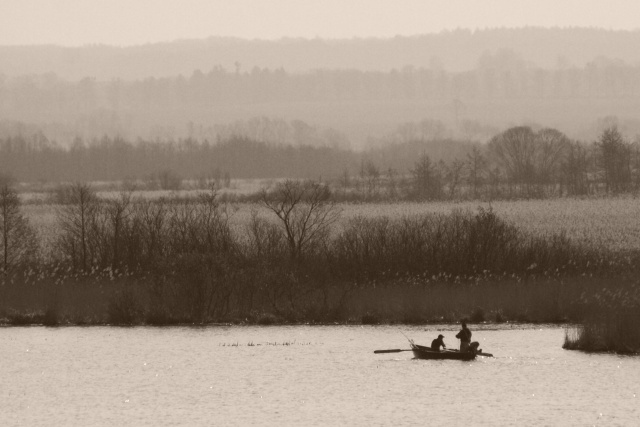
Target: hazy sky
[{"x": 127, "y": 22}]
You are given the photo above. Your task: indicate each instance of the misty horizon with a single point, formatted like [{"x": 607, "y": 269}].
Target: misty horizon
[
  {"x": 329, "y": 39},
  {"x": 89, "y": 22},
  {"x": 457, "y": 50},
  {"x": 360, "y": 90}
]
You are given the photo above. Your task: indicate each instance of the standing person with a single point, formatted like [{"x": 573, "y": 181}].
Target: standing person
[
  {"x": 465, "y": 337},
  {"x": 437, "y": 343}
]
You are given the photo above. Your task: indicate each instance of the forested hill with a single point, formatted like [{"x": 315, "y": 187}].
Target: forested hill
[{"x": 452, "y": 50}]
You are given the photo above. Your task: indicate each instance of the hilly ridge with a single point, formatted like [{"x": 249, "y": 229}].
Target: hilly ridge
[{"x": 456, "y": 50}]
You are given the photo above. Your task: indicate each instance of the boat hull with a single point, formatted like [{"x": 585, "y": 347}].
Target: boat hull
[{"x": 421, "y": 352}]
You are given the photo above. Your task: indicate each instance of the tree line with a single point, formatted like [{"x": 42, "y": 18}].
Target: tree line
[
  {"x": 518, "y": 162},
  {"x": 499, "y": 75},
  {"x": 415, "y": 165}
]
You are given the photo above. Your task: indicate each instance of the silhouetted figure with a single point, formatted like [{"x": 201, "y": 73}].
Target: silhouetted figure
[
  {"x": 437, "y": 343},
  {"x": 464, "y": 336}
]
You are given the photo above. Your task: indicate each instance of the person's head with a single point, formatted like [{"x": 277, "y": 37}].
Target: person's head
[
  {"x": 464, "y": 323},
  {"x": 440, "y": 336}
]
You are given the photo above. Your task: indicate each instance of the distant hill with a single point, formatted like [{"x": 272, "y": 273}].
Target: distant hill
[{"x": 452, "y": 50}]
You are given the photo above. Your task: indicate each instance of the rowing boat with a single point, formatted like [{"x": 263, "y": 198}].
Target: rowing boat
[{"x": 422, "y": 352}]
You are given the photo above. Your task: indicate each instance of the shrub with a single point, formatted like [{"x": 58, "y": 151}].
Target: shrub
[{"x": 461, "y": 243}]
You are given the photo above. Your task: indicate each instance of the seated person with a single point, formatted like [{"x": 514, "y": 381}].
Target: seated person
[
  {"x": 437, "y": 343},
  {"x": 473, "y": 347}
]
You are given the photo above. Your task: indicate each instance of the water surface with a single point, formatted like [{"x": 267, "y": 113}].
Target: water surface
[{"x": 327, "y": 375}]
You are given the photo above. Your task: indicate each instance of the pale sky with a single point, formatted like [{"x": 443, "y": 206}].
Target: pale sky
[{"x": 133, "y": 22}]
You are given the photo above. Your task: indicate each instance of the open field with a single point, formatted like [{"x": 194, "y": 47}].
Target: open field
[
  {"x": 37, "y": 193},
  {"x": 612, "y": 223}
]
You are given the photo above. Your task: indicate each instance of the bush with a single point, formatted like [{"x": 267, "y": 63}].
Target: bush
[{"x": 461, "y": 243}]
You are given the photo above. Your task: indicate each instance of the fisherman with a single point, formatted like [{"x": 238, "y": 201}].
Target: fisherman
[
  {"x": 464, "y": 336},
  {"x": 437, "y": 343}
]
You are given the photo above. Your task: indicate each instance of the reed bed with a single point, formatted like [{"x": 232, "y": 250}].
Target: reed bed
[
  {"x": 494, "y": 299},
  {"x": 609, "y": 322}
]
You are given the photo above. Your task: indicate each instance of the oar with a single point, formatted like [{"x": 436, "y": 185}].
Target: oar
[{"x": 395, "y": 350}]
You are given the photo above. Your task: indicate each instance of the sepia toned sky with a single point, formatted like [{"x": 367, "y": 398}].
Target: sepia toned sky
[{"x": 132, "y": 22}]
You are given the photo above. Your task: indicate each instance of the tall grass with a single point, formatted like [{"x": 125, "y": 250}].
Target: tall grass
[{"x": 609, "y": 321}]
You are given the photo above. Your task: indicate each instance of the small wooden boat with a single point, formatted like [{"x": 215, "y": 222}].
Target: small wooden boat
[{"x": 422, "y": 352}]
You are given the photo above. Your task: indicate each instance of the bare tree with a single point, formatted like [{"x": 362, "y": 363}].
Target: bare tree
[
  {"x": 515, "y": 150},
  {"x": 153, "y": 217},
  {"x": 552, "y": 146},
  {"x": 371, "y": 175},
  {"x": 117, "y": 212},
  {"x": 574, "y": 169},
  {"x": 529, "y": 157},
  {"x": 427, "y": 180},
  {"x": 615, "y": 159},
  {"x": 18, "y": 240},
  {"x": 305, "y": 210},
  {"x": 76, "y": 219}
]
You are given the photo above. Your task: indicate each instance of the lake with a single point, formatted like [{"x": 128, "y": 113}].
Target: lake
[{"x": 306, "y": 375}]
